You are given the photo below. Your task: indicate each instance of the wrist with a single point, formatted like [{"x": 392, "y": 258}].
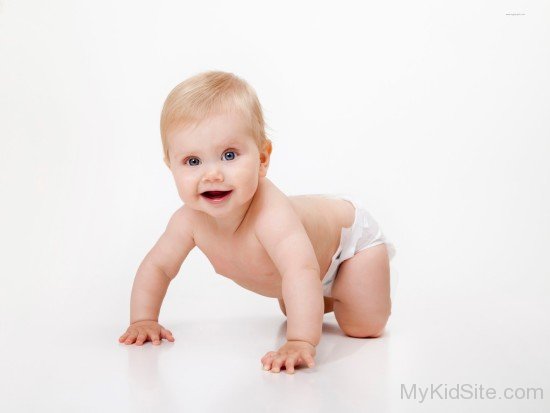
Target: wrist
[
  {"x": 137, "y": 320},
  {"x": 303, "y": 341}
]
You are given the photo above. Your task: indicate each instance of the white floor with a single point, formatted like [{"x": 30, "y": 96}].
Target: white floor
[
  {"x": 435, "y": 114},
  {"x": 62, "y": 354}
]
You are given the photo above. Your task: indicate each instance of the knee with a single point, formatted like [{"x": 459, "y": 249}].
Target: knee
[{"x": 371, "y": 328}]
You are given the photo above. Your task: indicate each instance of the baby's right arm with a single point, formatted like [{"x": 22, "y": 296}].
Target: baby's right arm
[{"x": 157, "y": 270}]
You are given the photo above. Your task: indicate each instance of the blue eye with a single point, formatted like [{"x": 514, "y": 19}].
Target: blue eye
[
  {"x": 233, "y": 156},
  {"x": 194, "y": 161},
  {"x": 190, "y": 159}
]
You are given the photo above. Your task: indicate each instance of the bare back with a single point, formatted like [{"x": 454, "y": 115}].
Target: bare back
[{"x": 240, "y": 256}]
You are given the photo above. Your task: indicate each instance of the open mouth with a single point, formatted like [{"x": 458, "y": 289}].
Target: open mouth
[{"x": 215, "y": 194}]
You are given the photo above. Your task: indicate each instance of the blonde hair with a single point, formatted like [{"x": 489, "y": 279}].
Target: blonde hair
[{"x": 207, "y": 93}]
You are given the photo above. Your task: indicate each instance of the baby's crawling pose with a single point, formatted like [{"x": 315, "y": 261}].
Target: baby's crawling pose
[{"x": 314, "y": 253}]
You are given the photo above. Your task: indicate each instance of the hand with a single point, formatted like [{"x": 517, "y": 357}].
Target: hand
[
  {"x": 294, "y": 352},
  {"x": 145, "y": 330}
]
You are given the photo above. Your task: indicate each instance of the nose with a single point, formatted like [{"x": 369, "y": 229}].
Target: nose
[{"x": 213, "y": 174}]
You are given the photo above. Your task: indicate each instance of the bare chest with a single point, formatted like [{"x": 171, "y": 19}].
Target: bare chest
[{"x": 243, "y": 259}]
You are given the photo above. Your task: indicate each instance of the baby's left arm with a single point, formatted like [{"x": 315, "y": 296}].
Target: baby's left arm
[{"x": 280, "y": 231}]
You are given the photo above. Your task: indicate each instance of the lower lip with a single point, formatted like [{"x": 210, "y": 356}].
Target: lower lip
[{"x": 218, "y": 200}]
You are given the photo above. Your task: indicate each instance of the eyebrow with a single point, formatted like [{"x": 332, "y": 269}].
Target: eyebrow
[{"x": 226, "y": 144}]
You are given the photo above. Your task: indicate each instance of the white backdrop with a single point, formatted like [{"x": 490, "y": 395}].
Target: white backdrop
[{"x": 434, "y": 114}]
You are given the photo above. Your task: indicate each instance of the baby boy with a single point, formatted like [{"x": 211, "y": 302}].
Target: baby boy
[{"x": 314, "y": 253}]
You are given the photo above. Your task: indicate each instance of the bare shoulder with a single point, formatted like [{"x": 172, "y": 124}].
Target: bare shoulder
[
  {"x": 282, "y": 234},
  {"x": 274, "y": 210},
  {"x": 174, "y": 244},
  {"x": 184, "y": 220},
  {"x": 271, "y": 203}
]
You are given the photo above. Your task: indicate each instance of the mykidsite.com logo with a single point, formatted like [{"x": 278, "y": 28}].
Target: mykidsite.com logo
[{"x": 444, "y": 391}]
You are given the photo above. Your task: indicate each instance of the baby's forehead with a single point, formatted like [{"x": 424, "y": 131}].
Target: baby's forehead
[{"x": 213, "y": 127}]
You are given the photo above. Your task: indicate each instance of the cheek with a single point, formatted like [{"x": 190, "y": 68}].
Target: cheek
[
  {"x": 246, "y": 172},
  {"x": 248, "y": 178},
  {"x": 250, "y": 166},
  {"x": 184, "y": 182}
]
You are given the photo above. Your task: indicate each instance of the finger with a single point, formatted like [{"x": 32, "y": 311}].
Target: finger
[
  {"x": 308, "y": 359},
  {"x": 268, "y": 356},
  {"x": 131, "y": 337},
  {"x": 267, "y": 363},
  {"x": 122, "y": 337},
  {"x": 167, "y": 335},
  {"x": 277, "y": 363},
  {"x": 289, "y": 364},
  {"x": 155, "y": 338},
  {"x": 127, "y": 334},
  {"x": 142, "y": 336}
]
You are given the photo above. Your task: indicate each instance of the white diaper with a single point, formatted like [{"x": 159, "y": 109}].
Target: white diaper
[{"x": 363, "y": 233}]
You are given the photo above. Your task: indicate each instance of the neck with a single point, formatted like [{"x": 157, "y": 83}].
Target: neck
[{"x": 230, "y": 224}]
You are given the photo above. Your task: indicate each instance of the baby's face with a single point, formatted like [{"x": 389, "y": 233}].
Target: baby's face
[{"x": 217, "y": 154}]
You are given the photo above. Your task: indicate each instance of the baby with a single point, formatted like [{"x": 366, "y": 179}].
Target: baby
[{"x": 314, "y": 253}]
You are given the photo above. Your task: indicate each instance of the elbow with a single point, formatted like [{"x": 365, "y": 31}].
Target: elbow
[{"x": 150, "y": 267}]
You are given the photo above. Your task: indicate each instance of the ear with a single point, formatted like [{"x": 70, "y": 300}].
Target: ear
[
  {"x": 265, "y": 154},
  {"x": 167, "y": 162}
]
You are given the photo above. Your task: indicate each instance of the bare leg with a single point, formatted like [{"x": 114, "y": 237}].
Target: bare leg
[{"x": 361, "y": 293}]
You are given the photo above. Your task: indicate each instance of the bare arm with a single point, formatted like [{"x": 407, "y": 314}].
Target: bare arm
[
  {"x": 303, "y": 297},
  {"x": 158, "y": 268},
  {"x": 148, "y": 292},
  {"x": 285, "y": 239}
]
